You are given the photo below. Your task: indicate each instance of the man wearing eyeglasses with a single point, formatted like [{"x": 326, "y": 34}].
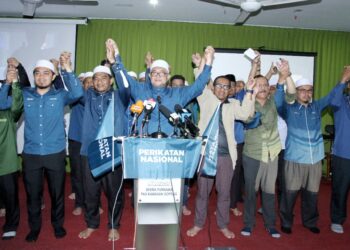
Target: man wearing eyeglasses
[
  {"x": 217, "y": 94},
  {"x": 157, "y": 89},
  {"x": 303, "y": 154}
]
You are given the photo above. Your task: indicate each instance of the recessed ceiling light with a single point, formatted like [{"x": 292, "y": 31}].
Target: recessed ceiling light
[{"x": 153, "y": 2}]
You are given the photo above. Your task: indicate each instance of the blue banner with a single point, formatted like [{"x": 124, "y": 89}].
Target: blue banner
[
  {"x": 150, "y": 158},
  {"x": 100, "y": 156},
  {"x": 211, "y": 147},
  {"x": 107, "y": 127}
]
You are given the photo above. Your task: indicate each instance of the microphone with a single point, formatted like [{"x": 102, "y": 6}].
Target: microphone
[
  {"x": 159, "y": 133},
  {"x": 174, "y": 119},
  {"x": 148, "y": 107},
  {"x": 136, "y": 109},
  {"x": 185, "y": 117}
]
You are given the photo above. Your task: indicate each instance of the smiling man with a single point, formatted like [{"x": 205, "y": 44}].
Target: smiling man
[
  {"x": 45, "y": 142},
  {"x": 96, "y": 101},
  {"x": 215, "y": 95},
  {"x": 157, "y": 89},
  {"x": 303, "y": 154}
]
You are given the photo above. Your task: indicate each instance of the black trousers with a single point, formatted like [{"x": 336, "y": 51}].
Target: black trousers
[
  {"x": 34, "y": 168},
  {"x": 340, "y": 188},
  {"x": 111, "y": 184},
  {"x": 9, "y": 194},
  {"x": 281, "y": 180},
  {"x": 237, "y": 179},
  {"x": 76, "y": 174}
]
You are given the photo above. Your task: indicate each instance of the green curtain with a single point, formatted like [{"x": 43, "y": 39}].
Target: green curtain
[{"x": 175, "y": 42}]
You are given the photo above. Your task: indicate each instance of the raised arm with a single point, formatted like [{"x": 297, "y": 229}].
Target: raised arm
[
  {"x": 22, "y": 74},
  {"x": 255, "y": 68},
  {"x": 336, "y": 99},
  {"x": 272, "y": 71},
  {"x": 5, "y": 97},
  {"x": 245, "y": 111},
  {"x": 17, "y": 101},
  {"x": 75, "y": 89},
  {"x": 194, "y": 90},
  {"x": 148, "y": 61}
]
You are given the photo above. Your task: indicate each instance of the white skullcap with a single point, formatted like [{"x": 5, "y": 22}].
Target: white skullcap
[
  {"x": 81, "y": 75},
  {"x": 161, "y": 64},
  {"x": 142, "y": 75},
  {"x": 45, "y": 64},
  {"x": 89, "y": 74},
  {"x": 132, "y": 74},
  {"x": 102, "y": 69},
  {"x": 303, "y": 82},
  {"x": 296, "y": 77}
]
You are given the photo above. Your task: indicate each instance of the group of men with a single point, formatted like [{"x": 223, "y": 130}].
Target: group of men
[{"x": 254, "y": 112}]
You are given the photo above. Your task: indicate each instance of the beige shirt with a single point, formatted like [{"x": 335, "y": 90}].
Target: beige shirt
[{"x": 231, "y": 111}]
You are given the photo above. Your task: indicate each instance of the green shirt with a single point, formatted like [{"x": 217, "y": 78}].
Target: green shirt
[
  {"x": 9, "y": 162},
  {"x": 263, "y": 143}
]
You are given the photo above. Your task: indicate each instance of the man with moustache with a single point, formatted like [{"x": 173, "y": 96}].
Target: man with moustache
[
  {"x": 45, "y": 142},
  {"x": 303, "y": 154},
  {"x": 260, "y": 157}
]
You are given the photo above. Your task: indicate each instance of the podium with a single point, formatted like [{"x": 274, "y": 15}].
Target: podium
[{"x": 158, "y": 167}]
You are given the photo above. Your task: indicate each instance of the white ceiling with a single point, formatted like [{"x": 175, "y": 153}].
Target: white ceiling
[{"x": 318, "y": 14}]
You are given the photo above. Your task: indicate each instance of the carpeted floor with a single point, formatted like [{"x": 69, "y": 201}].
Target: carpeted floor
[{"x": 300, "y": 239}]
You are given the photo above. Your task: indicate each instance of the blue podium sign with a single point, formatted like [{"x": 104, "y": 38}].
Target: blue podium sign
[{"x": 150, "y": 158}]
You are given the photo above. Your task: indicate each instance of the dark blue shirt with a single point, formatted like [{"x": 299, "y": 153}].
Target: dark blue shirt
[
  {"x": 95, "y": 107},
  {"x": 340, "y": 104},
  {"x": 76, "y": 122},
  {"x": 169, "y": 96},
  {"x": 5, "y": 98},
  {"x": 44, "y": 116}
]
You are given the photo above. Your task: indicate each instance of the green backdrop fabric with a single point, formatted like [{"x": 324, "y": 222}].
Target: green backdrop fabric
[{"x": 175, "y": 42}]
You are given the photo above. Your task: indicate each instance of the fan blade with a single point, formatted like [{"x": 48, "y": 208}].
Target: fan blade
[
  {"x": 72, "y": 2},
  {"x": 242, "y": 17},
  {"x": 234, "y": 4},
  {"x": 280, "y": 2}
]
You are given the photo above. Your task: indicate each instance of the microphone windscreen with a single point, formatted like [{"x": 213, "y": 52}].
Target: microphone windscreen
[{"x": 137, "y": 108}]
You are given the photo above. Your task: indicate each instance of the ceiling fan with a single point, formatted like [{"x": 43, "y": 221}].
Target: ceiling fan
[
  {"x": 29, "y": 6},
  {"x": 250, "y": 6}
]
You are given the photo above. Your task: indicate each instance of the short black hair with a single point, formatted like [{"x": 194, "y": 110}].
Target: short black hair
[
  {"x": 231, "y": 77},
  {"x": 104, "y": 62},
  {"x": 177, "y": 77},
  {"x": 223, "y": 76}
]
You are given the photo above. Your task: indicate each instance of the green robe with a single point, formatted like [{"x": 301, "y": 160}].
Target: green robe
[{"x": 9, "y": 162}]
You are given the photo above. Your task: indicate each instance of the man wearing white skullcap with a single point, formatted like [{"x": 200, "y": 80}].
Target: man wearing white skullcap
[
  {"x": 303, "y": 154},
  {"x": 158, "y": 89},
  {"x": 74, "y": 146},
  {"x": 96, "y": 101},
  {"x": 45, "y": 142}
]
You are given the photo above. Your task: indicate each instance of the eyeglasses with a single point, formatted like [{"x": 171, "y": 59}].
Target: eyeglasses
[
  {"x": 305, "y": 91},
  {"x": 103, "y": 79},
  {"x": 159, "y": 74},
  {"x": 222, "y": 86}
]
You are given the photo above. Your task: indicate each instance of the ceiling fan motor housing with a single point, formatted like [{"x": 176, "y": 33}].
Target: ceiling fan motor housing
[{"x": 250, "y": 5}]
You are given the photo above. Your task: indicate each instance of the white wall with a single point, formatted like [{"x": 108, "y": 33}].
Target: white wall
[
  {"x": 233, "y": 62},
  {"x": 29, "y": 41}
]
